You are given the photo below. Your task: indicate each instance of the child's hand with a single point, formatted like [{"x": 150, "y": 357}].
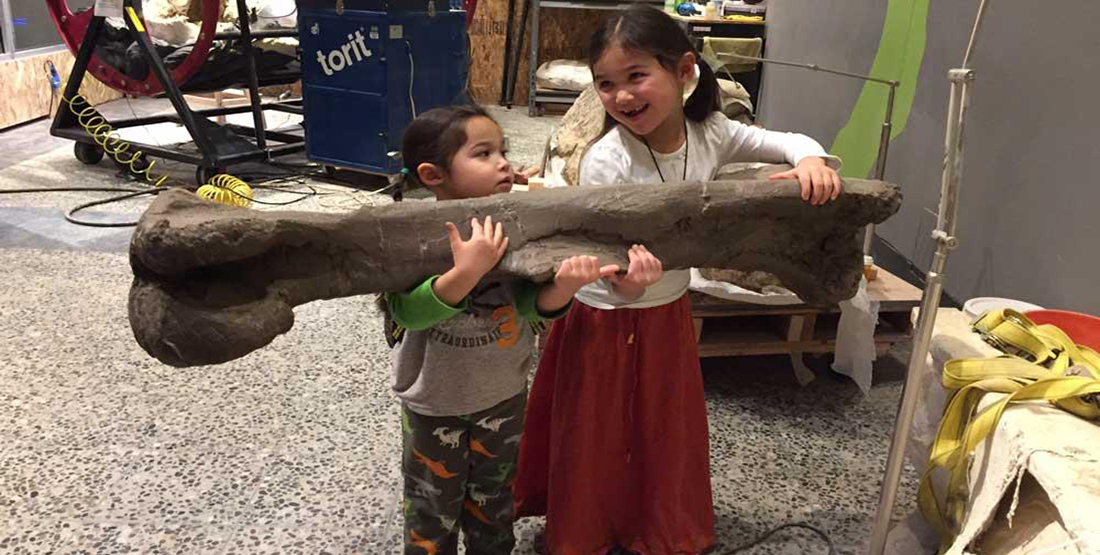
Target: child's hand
[
  {"x": 820, "y": 183},
  {"x": 574, "y": 273},
  {"x": 645, "y": 270},
  {"x": 473, "y": 259},
  {"x": 523, "y": 174},
  {"x": 476, "y": 256},
  {"x": 578, "y": 271}
]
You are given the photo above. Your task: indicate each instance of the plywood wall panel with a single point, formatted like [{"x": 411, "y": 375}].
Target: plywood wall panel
[
  {"x": 25, "y": 88},
  {"x": 563, "y": 34}
]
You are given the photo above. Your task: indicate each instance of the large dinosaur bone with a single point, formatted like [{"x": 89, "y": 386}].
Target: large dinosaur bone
[{"x": 213, "y": 283}]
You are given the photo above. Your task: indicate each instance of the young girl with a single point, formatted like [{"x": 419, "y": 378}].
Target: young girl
[
  {"x": 615, "y": 450},
  {"x": 465, "y": 348}
]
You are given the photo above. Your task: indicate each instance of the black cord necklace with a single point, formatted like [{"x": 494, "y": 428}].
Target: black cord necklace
[{"x": 658, "y": 166}]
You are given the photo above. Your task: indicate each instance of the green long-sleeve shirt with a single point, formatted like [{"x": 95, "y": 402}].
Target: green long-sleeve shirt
[{"x": 457, "y": 360}]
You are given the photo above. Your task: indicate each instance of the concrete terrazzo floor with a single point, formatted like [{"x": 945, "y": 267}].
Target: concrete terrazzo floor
[{"x": 294, "y": 448}]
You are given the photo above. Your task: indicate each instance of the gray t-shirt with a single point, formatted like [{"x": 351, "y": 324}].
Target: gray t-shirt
[{"x": 468, "y": 358}]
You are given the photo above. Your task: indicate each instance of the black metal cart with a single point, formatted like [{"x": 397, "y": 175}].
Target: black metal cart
[{"x": 218, "y": 145}]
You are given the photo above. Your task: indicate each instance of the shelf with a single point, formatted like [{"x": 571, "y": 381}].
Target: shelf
[
  {"x": 556, "y": 97},
  {"x": 710, "y": 22},
  {"x": 594, "y": 5},
  {"x": 547, "y": 96}
]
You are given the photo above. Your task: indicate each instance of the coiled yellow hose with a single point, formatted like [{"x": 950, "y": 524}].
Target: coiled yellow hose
[
  {"x": 226, "y": 189},
  {"x": 109, "y": 140}
]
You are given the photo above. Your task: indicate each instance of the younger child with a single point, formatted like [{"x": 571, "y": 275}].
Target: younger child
[{"x": 461, "y": 364}]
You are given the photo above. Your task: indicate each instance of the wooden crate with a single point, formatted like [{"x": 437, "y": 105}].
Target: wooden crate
[{"x": 728, "y": 328}]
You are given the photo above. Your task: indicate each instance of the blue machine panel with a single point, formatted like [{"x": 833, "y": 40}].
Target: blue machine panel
[{"x": 359, "y": 66}]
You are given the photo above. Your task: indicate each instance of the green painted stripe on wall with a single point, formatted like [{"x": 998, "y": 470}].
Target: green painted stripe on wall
[{"x": 899, "y": 57}]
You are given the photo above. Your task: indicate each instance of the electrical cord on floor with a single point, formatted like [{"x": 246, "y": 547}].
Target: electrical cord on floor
[
  {"x": 72, "y": 189},
  {"x": 71, "y": 219},
  {"x": 357, "y": 198},
  {"x": 130, "y": 193},
  {"x": 70, "y": 216},
  {"x": 304, "y": 195},
  {"x": 764, "y": 538},
  {"x": 309, "y": 170},
  {"x": 313, "y": 171}
]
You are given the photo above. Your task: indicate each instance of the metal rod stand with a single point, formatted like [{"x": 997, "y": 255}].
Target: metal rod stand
[
  {"x": 880, "y": 162},
  {"x": 249, "y": 51},
  {"x": 65, "y": 118},
  {"x": 507, "y": 52},
  {"x": 514, "y": 74},
  {"x": 944, "y": 236}
]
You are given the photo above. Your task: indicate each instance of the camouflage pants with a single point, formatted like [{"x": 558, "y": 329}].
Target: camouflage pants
[{"x": 458, "y": 474}]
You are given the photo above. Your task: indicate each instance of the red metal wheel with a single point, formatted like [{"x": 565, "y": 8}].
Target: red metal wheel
[{"x": 72, "y": 28}]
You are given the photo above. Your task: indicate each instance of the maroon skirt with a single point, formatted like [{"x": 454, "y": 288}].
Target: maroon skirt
[{"x": 614, "y": 449}]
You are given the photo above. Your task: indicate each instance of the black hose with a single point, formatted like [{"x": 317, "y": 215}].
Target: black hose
[{"x": 764, "y": 538}]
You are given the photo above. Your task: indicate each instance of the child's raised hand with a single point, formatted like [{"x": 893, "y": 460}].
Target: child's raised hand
[
  {"x": 477, "y": 255},
  {"x": 820, "y": 183},
  {"x": 577, "y": 271},
  {"x": 523, "y": 174},
  {"x": 644, "y": 270}
]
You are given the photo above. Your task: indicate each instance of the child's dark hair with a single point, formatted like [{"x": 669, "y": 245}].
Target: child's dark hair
[
  {"x": 435, "y": 136},
  {"x": 646, "y": 29}
]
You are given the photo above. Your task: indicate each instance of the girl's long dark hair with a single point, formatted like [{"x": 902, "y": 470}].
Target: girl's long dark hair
[{"x": 645, "y": 29}]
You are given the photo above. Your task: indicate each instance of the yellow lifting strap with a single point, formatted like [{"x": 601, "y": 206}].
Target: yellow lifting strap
[{"x": 1041, "y": 364}]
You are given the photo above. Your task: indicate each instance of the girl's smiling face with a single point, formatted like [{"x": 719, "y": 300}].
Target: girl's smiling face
[{"x": 639, "y": 92}]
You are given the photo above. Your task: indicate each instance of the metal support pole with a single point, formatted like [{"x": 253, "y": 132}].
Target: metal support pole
[
  {"x": 944, "y": 236},
  {"x": 532, "y": 83},
  {"x": 510, "y": 83},
  {"x": 507, "y": 52},
  {"x": 514, "y": 74},
  {"x": 7, "y": 28},
  {"x": 253, "y": 79},
  {"x": 930, "y": 302},
  {"x": 65, "y": 118},
  {"x": 887, "y": 128},
  {"x": 880, "y": 161},
  {"x": 813, "y": 67}
]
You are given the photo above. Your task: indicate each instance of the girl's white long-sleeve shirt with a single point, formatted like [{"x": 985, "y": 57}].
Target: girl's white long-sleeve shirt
[{"x": 621, "y": 158}]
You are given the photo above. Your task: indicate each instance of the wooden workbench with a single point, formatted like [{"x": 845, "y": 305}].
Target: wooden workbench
[{"x": 730, "y": 328}]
